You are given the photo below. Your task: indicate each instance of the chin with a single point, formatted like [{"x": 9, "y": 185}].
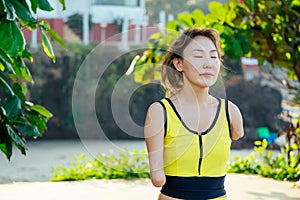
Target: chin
[{"x": 206, "y": 84}]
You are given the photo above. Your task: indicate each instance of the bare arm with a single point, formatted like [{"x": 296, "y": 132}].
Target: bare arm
[
  {"x": 236, "y": 121},
  {"x": 154, "y": 136}
]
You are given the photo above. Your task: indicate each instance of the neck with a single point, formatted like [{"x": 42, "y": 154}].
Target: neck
[{"x": 194, "y": 94}]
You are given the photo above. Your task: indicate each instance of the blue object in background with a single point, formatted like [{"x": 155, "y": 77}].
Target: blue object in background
[
  {"x": 272, "y": 138},
  {"x": 264, "y": 133}
]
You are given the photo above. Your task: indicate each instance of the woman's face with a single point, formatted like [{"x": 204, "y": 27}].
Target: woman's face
[{"x": 201, "y": 63}]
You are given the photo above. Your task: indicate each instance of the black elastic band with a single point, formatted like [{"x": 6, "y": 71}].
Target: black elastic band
[
  {"x": 179, "y": 117},
  {"x": 228, "y": 117},
  {"x": 215, "y": 119},
  {"x": 165, "y": 117},
  {"x": 194, "y": 188}
]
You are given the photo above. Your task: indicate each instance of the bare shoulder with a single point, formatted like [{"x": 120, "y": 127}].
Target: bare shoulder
[
  {"x": 154, "y": 119},
  {"x": 233, "y": 109},
  {"x": 236, "y": 121},
  {"x": 156, "y": 107},
  {"x": 156, "y": 110}
]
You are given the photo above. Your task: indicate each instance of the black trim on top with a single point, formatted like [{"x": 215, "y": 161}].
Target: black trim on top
[
  {"x": 201, "y": 154},
  {"x": 228, "y": 117},
  {"x": 215, "y": 119},
  {"x": 179, "y": 117},
  {"x": 165, "y": 117},
  {"x": 184, "y": 124}
]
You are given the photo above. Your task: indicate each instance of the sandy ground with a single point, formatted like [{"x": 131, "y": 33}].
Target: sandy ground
[
  {"x": 43, "y": 155},
  {"x": 238, "y": 187},
  {"x": 26, "y": 177}
]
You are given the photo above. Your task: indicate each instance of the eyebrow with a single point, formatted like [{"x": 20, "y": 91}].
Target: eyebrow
[{"x": 201, "y": 50}]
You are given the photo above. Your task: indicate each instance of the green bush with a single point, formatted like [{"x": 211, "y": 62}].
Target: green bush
[
  {"x": 134, "y": 164},
  {"x": 264, "y": 163},
  {"x": 126, "y": 165}
]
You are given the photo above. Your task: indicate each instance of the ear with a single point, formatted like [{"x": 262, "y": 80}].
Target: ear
[{"x": 178, "y": 64}]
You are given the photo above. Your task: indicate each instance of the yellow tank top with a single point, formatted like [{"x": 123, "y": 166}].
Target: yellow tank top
[{"x": 187, "y": 153}]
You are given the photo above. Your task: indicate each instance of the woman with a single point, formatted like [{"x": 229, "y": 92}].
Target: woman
[{"x": 188, "y": 134}]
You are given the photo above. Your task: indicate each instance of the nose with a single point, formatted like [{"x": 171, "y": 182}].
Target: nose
[{"x": 207, "y": 62}]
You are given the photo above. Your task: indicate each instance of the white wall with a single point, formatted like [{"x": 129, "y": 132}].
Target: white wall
[
  {"x": 100, "y": 14},
  {"x": 109, "y": 13}
]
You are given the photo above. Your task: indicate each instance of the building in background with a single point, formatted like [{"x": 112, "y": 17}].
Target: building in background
[
  {"x": 109, "y": 17},
  {"x": 250, "y": 68}
]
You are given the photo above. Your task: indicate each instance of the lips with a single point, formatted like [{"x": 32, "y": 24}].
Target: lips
[{"x": 206, "y": 74}]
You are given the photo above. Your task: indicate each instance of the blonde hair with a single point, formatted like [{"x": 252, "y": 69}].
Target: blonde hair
[{"x": 172, "y": 79}]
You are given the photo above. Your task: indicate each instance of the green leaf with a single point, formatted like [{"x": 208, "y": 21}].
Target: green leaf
[
  {"x": 186, "y": 20},
  {"x": 172, "y": 25},
  {"x": 19, "y": 92},
  {"x": 42, "y": 110},
  {"x": 16, "y": 138},
  {"x": 3, "y": 149},
  {"x": 12, "y": 40},
  {"x": 57, "y": 37},
  {"x": 63, "y": 4},
  {"x": 24, "y": 88},
  {"x": 38, "y": 121},
  {"x": 1, "y": 7},
  {"x": 2, "y": 65},
  {"x": 44, "y": 25},
  {"x": 28, "y": 129},
  {"x": 264, "y": 143},
  {"x": 217, "y": 9},
  {"x": 257, "y": 143},
  {"x": 230, "y": 16},
  {"x": 19, "y": 62},
  {"x": 295, "y": 3},
  {"x": 199, "y": 17},
  {"x": 23, "y": 12},
  {"x": 8, "y": 146},
  {"x": 156, "y": 35},
  {"x": 18, "y": 73},
  {"x": 236, "y": 46},
  {"x": 33, "y": 5},
  {"x": 21, "y": 69},
  {"x": 5, "y": 56},
  {"x": 44, "y": 5},
  {"x": 47, "y": 46},
  {"x": 26, "y": 74},
  {"x": 219, "y": 27},
  {"x": 27, "y": 54},
  {"x": 12, "y": 106},
  {"x": 7, "y": 67},
  {"x": 9, "y": 9},
  {"x": 4, "y": 118},
  {"x": 6, "y": 86}
]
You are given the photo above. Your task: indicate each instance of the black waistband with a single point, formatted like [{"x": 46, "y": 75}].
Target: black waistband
[{"x": 190, "y": 188}]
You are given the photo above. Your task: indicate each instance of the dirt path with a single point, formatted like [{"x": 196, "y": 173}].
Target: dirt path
[{"x": 26, "y": 177}]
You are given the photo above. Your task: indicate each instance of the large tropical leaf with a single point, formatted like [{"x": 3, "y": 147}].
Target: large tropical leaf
[
  {"x": 27, "y": 128},
  {"x": 12, "y": 106},
  {"x": 12, "y": 40},
  {"x": 6, "y": 86},
  {"x": 24, "y": 13},
  {"x": 63, "y": 4},
  {"x": 47, "y": 46},
  {"x": 44, "y": 5},
  {"x": 34, "y": 5},
  {"x": 9, "y": 9},
  {"x": 41, "y": 110},
  {"x": 16, "y": 138}
]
